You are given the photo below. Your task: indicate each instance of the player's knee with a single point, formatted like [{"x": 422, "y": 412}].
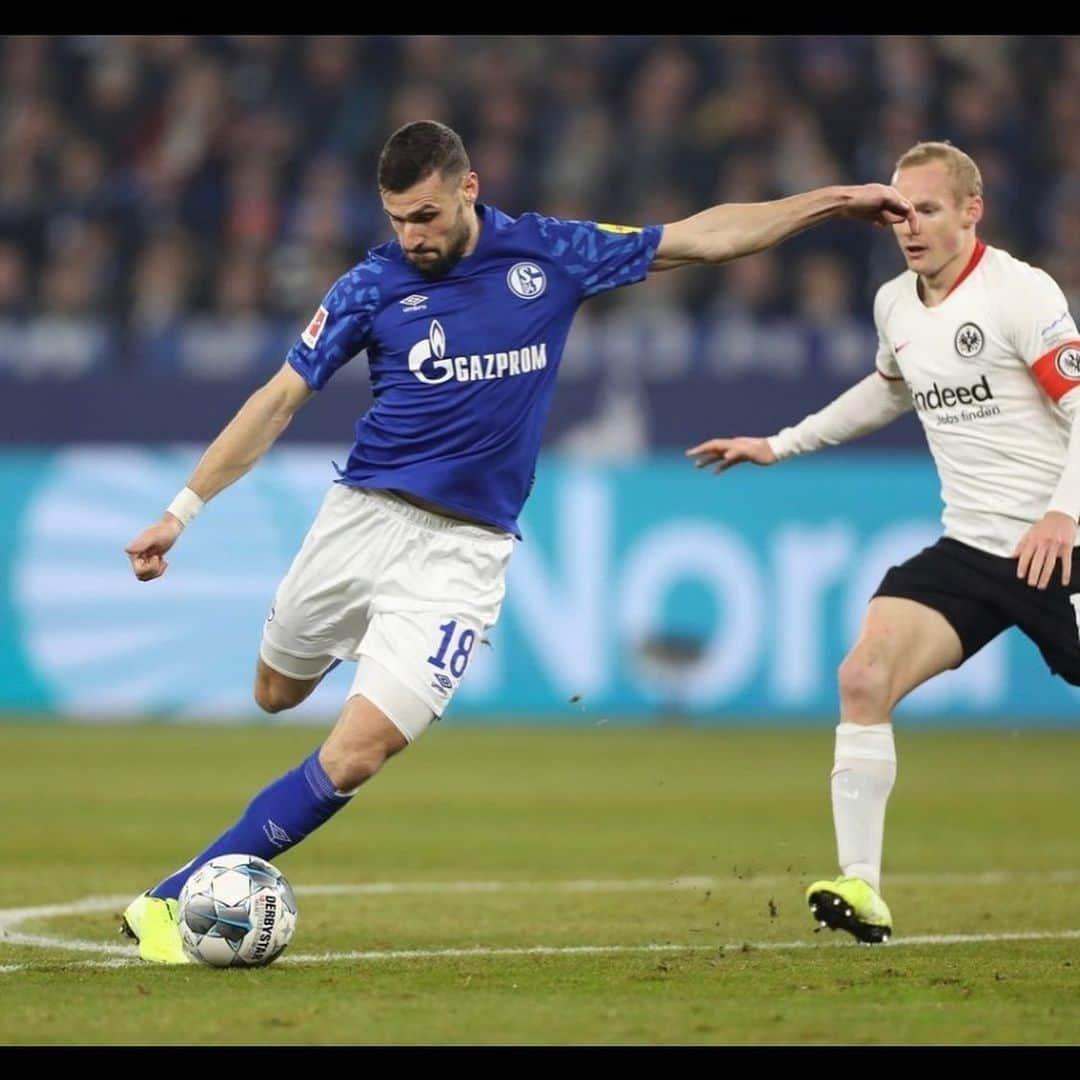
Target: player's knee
[
  {"x": 864, "y": 680},
  {"x": 270, "y": 700},
  {"x": 274, "y": 695}
]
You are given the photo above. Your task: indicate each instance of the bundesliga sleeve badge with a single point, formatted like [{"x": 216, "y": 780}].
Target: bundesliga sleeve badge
[{"x": 311, "y": 335}]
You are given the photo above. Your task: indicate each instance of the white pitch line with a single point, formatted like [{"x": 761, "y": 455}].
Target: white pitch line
[
  {"x": 481, "y": 951},
  {"x": 127, "y": 954},
  {"x": 589, "y": 950}
]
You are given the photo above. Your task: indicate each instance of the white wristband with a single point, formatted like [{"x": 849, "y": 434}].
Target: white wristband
[{"x": 185, "y": 506}]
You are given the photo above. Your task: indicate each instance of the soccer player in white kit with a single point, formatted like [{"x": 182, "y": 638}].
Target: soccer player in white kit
[
  {"x": 463, "y": 318},
  {"x": 984, "y": 348}
]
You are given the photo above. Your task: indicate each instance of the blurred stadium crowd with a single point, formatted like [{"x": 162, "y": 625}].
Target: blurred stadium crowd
[{"x": 181, "y": 203}]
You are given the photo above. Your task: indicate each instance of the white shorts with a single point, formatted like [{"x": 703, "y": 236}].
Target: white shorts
[{"x": 380, "y": 578}]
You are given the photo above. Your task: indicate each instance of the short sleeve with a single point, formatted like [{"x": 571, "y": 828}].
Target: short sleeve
[
  {"x": 598, "y": 256},
  {"x": 1041, "y": 329},
  {"x": 339, "y": 330}
]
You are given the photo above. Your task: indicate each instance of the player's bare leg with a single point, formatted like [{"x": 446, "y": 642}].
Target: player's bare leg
[
  {"x": 275, "y": 692},
  {"x": 902, "y": 644},
  {"x": 361, "y": 742}
]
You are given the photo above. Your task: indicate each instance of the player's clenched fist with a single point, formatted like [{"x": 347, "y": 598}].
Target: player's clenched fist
[{"x": 147, "y": 550}]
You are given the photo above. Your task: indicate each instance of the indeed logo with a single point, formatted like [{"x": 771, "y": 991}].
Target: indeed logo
[{"x": 937, "y": 396}]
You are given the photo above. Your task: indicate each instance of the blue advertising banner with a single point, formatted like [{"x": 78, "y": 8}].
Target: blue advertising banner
[{"x": 640, "y": 590}]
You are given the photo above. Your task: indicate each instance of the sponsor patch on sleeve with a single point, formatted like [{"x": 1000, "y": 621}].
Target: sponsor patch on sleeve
[
  {"x": 311, "y": 335},
  {"x": 1059, "y": 369},
  {"x": 604, "y": 226},
  {"x": 1061, "y": 328}
]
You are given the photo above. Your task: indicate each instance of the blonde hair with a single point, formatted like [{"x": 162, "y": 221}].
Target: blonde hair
[{"x": 966, "y": 178}]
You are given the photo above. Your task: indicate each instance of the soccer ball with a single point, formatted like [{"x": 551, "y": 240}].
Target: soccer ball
[{"x": 236, "y": 911}]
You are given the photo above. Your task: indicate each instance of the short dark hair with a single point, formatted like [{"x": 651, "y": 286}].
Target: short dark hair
[{"x": 417, "y": 150}]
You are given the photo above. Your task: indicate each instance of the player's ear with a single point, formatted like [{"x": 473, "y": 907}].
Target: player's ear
[
  {"x": 470, "y": 187},
  {"x": 974, "y": 209}
]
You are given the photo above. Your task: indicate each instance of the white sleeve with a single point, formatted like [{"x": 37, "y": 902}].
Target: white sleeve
[
  {"x": 885, "y": 359},
  {"x": 1041, "y": 329},
  {"x": 1038, "y": 325},
  {"x": 867, "y": 406},
  {"x": 1036, "y": 316}
]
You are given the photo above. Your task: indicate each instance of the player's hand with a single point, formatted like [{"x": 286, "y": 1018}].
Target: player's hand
[
  {"x": 723, "y": 453},
  {"x": 1042, "y": 546},
  {"x": 880, "y": 204},
  {"x": 147, "y": 550}
]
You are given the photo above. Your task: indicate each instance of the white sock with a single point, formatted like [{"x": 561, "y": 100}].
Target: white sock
[{"x": 862, "y": 777}]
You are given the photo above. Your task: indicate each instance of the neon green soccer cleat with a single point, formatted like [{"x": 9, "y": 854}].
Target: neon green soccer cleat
[
  {"x": 848, "y": 903},
  {"x": 152, "y": 923}
]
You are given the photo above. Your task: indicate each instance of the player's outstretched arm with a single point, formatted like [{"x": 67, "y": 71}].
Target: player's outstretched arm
[
  {"x": 732, "y": 230},
  {"x": 250, "y": 433},
  {"x": 864, "y": 407}
]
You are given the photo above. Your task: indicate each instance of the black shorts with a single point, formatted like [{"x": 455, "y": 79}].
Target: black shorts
[{"x": 981, "y": 596}]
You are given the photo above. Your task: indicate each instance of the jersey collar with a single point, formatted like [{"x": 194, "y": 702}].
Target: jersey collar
[{"x": 976, "y": 256}]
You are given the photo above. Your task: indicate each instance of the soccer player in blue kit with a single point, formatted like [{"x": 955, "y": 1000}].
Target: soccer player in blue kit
[{"x": 464, "y": 317}]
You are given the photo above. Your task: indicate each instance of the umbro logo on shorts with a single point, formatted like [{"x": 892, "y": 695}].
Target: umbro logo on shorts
[{"x": 443, "y": 683}]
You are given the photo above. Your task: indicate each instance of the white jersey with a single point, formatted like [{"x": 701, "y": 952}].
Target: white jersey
[{"x": 987, "y": 370}]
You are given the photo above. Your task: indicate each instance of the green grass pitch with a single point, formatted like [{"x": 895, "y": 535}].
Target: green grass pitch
[{"x": 601, "y": 885}]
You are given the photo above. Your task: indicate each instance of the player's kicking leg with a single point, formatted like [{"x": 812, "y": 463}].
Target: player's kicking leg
[
  {"x": 414, "y": 627},
  {"x": 365, "y": 736},
  {"x": 902, "y": 644}
]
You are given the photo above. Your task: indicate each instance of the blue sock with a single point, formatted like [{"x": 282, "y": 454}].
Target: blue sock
[{"x": 278, "y": 818}]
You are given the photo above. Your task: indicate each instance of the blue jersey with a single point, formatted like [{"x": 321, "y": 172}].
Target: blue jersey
[{"x": 463, "y": 367}]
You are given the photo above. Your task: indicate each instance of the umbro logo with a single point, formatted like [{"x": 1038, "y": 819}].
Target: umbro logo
[
  {"x": 276, "y": 834},
  {"x": 416, "y": 302},
  {"x": 442, "y": 683}
]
